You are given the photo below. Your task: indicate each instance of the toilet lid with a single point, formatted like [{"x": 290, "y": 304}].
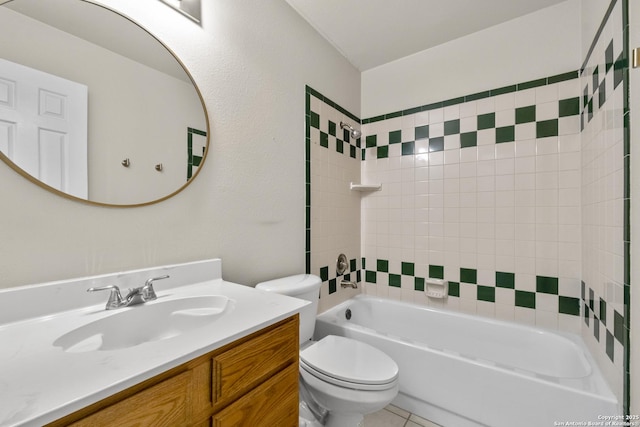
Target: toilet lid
[{"x": 349, "y": 360}]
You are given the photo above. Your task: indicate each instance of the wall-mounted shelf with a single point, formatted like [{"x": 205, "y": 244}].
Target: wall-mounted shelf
[{"x": 365, "y": 187}]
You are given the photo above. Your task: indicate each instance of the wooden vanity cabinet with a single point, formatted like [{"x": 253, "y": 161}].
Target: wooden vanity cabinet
[{"x": 250, "y": 382}]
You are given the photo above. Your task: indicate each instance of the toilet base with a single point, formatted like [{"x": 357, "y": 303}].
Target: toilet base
[
  {"x": 306, "y": 417},
  {"x": 344, "y": 420}
]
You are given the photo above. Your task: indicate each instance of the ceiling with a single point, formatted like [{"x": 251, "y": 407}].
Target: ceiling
[{"x": 370, "y": 33}]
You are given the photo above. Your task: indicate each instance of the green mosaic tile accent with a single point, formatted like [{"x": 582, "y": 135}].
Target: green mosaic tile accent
[
  {"x": 324, "y": 273},
  {"x": 468, "y": 139},
  {"x": 531, "y": 84},
  {"x": 436, "y": 144},
  {"x": 486, "y": 121},
  {"x": 563, "y": 77},
  {"x": 371, "y": 141},
  {"x": 547, "y": 285},
  {"x": 618, "y": 70},
  {"x": 525, "y": 299},
  {"x": 618, "y": 327},
  {"x": 395, "y": 280},
  {"x": 486, "y": 293},
  {"x": 332, "y": 128},
  {"x": 332, "y": 286},
  {"x": 603, "y": 311},
  {"x": 383, "y": 152},
  {"x": 324, "y": 140},
  {"x": 503, "y": 90},
  {"x": 608, "y": 56},
  {"x": 408, "y": 148},
  {"x": 422, "y": 132},
  {"x": 468, "y": 275},
  {"x": 436, "y": 271},
  {"x": 505, "y": 280},
  {"x": 477, "y": 96},
  {"x": 352, "y": 151},
  {"x": 454, "y": 289},
  {"x": 408, "y": 268},
  {"x": 395, "y": 137},
  {"x": 526, "y": 114},
  {"x": 352, "y": 265},
  {"x": 609, "y": 348},
  {"x": 453, "y": 101},
  {"x": 547, "y": 128},
  {"x": 481, "y": 95},
  {"x": 339, "y": 146},
  {"x": 452, "y": 127},
  {"x": 370, "y": 276},
  {"x": 569, "y": 107},
  {"x": 382, "y": 265},
  {"x": 418, "y": 284},
  {"x": 505, "y": 134},
  {"x": 314, "y": 120},
  {"x": 568, "y": 305}
]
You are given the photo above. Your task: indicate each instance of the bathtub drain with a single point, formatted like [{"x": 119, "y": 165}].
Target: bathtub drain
[{"x": 347, "y": 314}]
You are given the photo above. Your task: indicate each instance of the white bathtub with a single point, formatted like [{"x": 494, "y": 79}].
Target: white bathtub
[{"x": 460, "y": 370}]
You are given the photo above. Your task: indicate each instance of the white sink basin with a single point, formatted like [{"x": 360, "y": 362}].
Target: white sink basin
[{"x": 153, "y": 321}]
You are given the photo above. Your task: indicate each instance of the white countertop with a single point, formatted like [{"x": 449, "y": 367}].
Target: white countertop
[{"x": 40, "y": 383}]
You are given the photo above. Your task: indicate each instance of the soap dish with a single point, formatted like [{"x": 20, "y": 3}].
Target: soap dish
[{"x": 436, "y": 288}]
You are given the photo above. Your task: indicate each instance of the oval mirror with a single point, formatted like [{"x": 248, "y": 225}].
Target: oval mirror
[{"x": 95, "y": 108}]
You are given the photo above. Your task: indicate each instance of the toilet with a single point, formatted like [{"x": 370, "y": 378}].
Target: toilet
[{"x": 341, "y": 379}]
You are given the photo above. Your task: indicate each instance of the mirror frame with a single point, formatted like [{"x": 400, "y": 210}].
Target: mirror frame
[{"x": 41, "y": 184}]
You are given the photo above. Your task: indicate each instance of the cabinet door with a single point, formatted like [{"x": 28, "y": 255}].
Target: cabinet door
[
  {"x": 274, "y": 403},
  {"x": 243, "y": 367},
  {"x": 164, "y": 404}
]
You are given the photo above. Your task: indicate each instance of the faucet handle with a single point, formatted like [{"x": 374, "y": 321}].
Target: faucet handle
[
  {"x": 148, "y": 293},
  {"x": 115, "y": 297}
]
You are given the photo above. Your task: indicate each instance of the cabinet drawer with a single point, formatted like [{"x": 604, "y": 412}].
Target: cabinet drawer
[
  {"x": 274, "y": 403},
  {"x": 243, "y": 367},
  {"x": 164, "y": 404}
]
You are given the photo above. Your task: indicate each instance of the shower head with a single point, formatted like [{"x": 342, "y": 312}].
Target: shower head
[{"x": 354, "y": 133}]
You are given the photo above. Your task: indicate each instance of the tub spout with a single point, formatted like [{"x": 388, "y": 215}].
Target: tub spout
[{"x": 348, "y": 284}]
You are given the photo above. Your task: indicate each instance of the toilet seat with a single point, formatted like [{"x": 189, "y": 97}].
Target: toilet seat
[{"x": 349, "y": 363}]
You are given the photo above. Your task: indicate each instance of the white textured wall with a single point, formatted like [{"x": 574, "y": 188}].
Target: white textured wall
[
  {"x": 540, "y": 44},
  {"x": 251, "y": 61}
]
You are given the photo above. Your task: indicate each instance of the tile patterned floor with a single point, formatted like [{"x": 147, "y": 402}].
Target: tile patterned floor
[{"x": 392, "y": 416}]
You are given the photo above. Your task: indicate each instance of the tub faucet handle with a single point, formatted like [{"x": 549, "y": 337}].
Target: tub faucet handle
[{"x": 341, "y": 264}]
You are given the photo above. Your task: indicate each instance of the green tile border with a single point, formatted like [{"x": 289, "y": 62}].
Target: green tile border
[
  {"x": 310, "y": 91},
  {"x": 569, "y": 305},
  {"x": 619, "y": 327},
  {"x": 476, "y": 96},
  {"x": 312, "y": 119},
  {"x": 627, "y": 218}
]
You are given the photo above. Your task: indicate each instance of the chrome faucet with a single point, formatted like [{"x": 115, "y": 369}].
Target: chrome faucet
[
  {"x": 347, "y": 283},
  {"x": 135, "y": 296}
]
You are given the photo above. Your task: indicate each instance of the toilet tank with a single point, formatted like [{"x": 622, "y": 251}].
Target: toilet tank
[{"x": 303, "y": 286}]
